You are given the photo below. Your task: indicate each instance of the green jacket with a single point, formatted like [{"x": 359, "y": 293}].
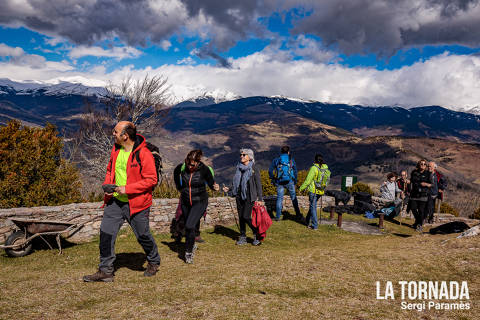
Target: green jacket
[{"x": 316, "y": 174}]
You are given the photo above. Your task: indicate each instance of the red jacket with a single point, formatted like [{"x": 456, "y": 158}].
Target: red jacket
[
  {"x": 140, "y": 181},
  {"x": 261, "y": 220}
]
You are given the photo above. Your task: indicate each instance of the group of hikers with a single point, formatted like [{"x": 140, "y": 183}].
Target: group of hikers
[
  {"x": 132, "y": 175},
  {"x": 417, "y": 194}
]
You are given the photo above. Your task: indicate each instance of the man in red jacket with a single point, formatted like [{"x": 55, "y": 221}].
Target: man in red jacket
[{"x": 130, "y": 201}]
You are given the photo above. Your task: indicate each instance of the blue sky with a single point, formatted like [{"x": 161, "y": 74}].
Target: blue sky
[{"x": 377, "y": 52}]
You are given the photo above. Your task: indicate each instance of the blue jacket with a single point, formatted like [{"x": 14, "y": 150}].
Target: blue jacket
[{"x": 272, "y": 171}]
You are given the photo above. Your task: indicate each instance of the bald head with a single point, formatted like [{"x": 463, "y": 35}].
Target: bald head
[
  {"x": 129, "y": 129},
  {"x": 124, "y": 132}
]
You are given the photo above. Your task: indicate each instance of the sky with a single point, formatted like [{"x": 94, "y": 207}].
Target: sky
[{"x": 370, "y": 52}]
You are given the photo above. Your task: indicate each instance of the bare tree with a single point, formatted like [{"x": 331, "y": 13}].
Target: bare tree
[{"x": 144, "y": 102}]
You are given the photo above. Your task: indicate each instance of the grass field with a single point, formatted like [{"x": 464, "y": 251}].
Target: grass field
[{"x": 295, "y": 274}]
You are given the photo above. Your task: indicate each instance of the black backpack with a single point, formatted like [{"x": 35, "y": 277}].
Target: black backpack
[{"x": 156, "y": 157}]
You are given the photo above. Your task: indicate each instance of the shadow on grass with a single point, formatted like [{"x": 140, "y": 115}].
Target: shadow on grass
[
  {"x": 288, "y": 216},
  {"x": 227, "y": 232},
  {"x": 131, "y": 260},
  {"x": 401, "y": 235},
  {"x": 178, "y": 247},
  {"x": 41, "y": 244}
]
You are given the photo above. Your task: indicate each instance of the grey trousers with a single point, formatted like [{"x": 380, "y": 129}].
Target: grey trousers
[{"x": 114, "y": 214}]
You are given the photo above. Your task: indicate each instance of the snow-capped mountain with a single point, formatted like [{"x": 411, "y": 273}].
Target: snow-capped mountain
[
  {"x": 63, "y": 103},
  {"x": 61, "y": 88}
]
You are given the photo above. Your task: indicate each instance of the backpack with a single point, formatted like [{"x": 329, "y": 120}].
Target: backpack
[
  {"x": 323, "y": 178},
  {"x": 156, "y": 157},
  {"x": 284, "y": 169}
]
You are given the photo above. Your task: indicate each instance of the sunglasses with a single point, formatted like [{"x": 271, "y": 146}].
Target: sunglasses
[
  {"x": 423, "y": 164},
  {"x": 243, "y": 155}
]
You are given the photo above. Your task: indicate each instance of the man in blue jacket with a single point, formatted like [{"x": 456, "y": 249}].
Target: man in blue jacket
[{"x": 283, "y": 175}]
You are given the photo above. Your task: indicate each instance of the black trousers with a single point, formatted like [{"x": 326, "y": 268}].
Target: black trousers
[
  {"x": 245, "y": 208},
  {"x": 193, "y": 213},
  {"x": 419, "y": 209}
]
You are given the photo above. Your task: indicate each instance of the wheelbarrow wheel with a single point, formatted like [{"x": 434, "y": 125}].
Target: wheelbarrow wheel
[{"x": 18, "y": 237}]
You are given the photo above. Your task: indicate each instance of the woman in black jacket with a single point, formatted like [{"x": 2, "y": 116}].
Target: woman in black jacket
[
  {"x": 247, "y": 189},
  {"x": 421, "y": 183},
  {"x": 191, "y": 179}
]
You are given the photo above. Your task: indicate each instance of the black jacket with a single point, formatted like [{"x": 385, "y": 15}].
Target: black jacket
[
  {"x": 254, "y": 186},
  {"x": 192, "y": 185},
  {"x": 416, "y": 179},
  {"x": 405, "y": 187}
]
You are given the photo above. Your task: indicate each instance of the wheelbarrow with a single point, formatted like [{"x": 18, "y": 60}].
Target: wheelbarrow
[{"x": 19, "y": 243}]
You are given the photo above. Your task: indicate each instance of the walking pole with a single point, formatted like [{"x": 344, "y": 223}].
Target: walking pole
[
  {"x": 321, "y": 208},
  {"x": 231, "y": 207}
]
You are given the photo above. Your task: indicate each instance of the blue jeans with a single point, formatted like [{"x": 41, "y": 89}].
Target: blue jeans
[
  {"x": 280, "y": 192},
  {"x": 312, "y": 212}
]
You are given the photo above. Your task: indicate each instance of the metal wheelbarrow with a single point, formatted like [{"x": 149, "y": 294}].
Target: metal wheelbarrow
[{"x": 19, "y": 243}]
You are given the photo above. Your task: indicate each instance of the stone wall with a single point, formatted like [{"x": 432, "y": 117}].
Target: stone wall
[{"x": 220, "y": 212}]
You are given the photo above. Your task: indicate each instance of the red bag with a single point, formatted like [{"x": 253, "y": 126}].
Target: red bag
[{"x": 261, "y": 220}]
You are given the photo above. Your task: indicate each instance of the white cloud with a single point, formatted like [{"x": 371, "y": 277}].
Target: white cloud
[
  {"x": 165, "y": 45},
  {"x": 446, "y": 80},
  {"x": 187, "y": 60},
  {"x": 53, "y": 41},
  {"x": 7, "y": 51},
  {"x": 118, "y": 53}
]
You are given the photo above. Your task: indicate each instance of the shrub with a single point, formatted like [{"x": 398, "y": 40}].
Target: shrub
[
  {"x": 360, "y": 187},
  {"x": 445, "y": 207},
  {"x": 302, "y": 175},
  {"x": 166, "y": 190},
  {"x": 32, "y": 171},
  {"x": 268, "y": 188},
  {"x": 476, "y": 214}
]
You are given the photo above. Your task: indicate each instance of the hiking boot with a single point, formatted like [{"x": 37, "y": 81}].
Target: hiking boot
[
  {"x": 256, "y": 242},
  {"x": 99, "y": 276},
  {"x": 312, "y": 228},
  {"x": 151, "y": 270},
  {"x": 199, "y": 239},
  {"x": 242, "y": 240},
  {"x": 419, "y": 229},
  {"x": 189, "y": 257}
]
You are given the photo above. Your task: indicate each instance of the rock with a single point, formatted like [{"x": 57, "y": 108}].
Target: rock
[{"x": 475, "y": 231}]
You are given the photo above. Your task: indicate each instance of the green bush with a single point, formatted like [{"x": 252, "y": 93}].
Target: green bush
[
  {"x": 360, "y": 187},
  {"x": 268, "y": 188},
  {"x": 32, "y": 171},
  {"x": 166, "y": 190},
  {"x": 302, "y": 175},
  {"x": 445, "y": 207}
]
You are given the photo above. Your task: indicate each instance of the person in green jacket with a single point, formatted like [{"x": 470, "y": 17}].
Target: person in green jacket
[{"x": 316, "y": 181}]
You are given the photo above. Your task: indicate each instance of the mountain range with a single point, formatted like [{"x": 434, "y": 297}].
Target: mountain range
[{"x": 355, "y": 140}]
